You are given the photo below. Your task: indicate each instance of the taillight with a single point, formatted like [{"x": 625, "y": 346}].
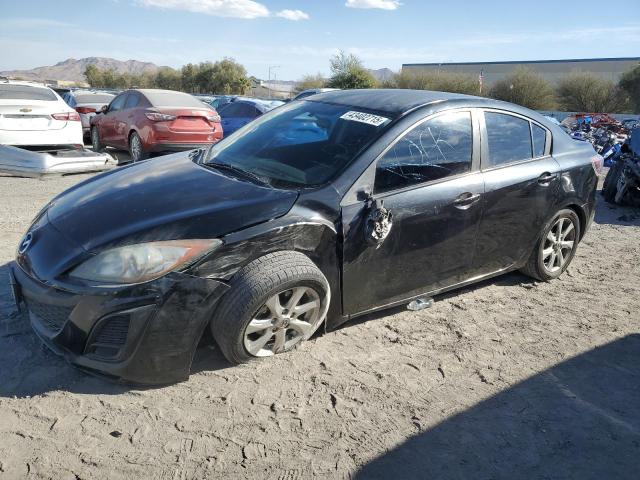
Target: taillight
[
  {"x": 597, "y": 162},
  {"x": 85, "y": 110},
  {"x": 159, "y": 117},
  {"x": 67, "y": 116},
  {"x": 214, "y": 118}
]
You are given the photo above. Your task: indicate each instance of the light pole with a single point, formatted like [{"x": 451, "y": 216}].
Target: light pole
[{"x": 269, "y": 81}]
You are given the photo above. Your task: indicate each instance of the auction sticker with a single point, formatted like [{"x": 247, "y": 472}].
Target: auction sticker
[{"x": 367, "y": 118}]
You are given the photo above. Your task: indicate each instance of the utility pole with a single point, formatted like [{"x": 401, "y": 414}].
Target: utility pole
[{"x": 269, "y": 81}]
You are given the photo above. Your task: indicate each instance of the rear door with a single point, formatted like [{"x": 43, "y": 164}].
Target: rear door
[
  {"x": 522, "y": 182},
  {"x": 429, "y": 181}
]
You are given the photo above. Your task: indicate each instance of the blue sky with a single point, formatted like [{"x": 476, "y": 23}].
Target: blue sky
[{"x": 301, "y": 35}]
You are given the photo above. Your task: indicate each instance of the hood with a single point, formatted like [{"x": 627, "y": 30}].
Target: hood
[{"x": 166, "y": 198}]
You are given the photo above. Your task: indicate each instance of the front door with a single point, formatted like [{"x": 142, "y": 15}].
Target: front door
[
  {"x": 108, "y": 123},
  {"x": 522, "y": 182},
  {"x": 417, "y": 231}
]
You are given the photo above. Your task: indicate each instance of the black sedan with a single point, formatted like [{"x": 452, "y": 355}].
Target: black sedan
[{"x": 317, "y": 212}]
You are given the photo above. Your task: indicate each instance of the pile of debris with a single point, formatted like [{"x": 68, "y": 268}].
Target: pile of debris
[{"x": 622, "y": 183}]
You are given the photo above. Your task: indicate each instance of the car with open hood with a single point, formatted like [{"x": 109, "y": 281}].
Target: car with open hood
[{"x": 317, "y": 212}]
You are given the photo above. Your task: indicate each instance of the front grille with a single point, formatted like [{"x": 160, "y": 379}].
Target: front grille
[
  {"x": 52, "y": 317},
  {"x": 113, "y": 331}
]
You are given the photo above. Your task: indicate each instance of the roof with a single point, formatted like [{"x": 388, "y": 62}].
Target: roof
[
  {"x": 518, "y": 62},
  {"x": 390, "y": 101}
]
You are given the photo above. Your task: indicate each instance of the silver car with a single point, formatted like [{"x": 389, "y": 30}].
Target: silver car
[{"x": 87, "y": 103}]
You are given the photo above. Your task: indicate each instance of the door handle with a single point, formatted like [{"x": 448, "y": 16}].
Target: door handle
[
  {"x": 546, "y": 178},
  {"x": 465, "y": 200}
]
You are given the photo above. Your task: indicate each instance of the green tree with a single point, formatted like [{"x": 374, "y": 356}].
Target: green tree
[
  {"x": 586, "y": 92},
  {"x": 224, "y": 76},
  {"x": 169, "y": 79},
  {"x": 310, "y": 81},
  {"x": 436, "y": 81},
  {"x": 189, "y": 78},
  {"x": 630, "y": 84},
  {"x": 347, "y": 72},
  {"x": 527, "y": 88},
  {"x": 94, "y": 76}
]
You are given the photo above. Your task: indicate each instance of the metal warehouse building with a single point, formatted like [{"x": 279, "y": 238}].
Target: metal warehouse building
[{"x": 552, "y": 70}]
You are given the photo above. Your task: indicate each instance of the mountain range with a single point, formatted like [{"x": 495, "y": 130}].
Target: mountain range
[{"x": 72, "y": 70}]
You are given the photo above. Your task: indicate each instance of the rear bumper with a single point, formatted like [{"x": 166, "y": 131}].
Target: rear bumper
[
  {"x": 178, "y": 147},
  {"x": 145, "y": 334},
  {"x": 26, "y": 163},
  {"x": 71, "y": 134}
]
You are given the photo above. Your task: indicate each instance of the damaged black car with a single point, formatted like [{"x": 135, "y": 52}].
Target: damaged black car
[{"x": 321, "y": 210}]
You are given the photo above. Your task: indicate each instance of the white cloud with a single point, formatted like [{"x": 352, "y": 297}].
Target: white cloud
[
  {"x": 294, "y": 15},
  {"x": 381, "y": 4},
  {"x": 218, "y": 8}
]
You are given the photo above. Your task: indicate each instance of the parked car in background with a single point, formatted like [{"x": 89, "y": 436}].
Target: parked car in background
[
  {"x": 151, "y": 120},
  {"x": 220, "y": 101},
  {"x": 312, "y": 91},
  {"x": 400, "y": 195},
  {"x": 34, "y": 115},
  {"x": 87, "y": 103},
  {"x": 240, "y": 112},
  {"x": 204, "y": 98}
]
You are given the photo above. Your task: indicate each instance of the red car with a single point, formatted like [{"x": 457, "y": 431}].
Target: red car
[{"x": 150, "y": 120}]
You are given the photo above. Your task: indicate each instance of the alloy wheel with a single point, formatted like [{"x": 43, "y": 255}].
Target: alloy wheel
[
  {"x": 559, "y": 244},
  {"x": 136, "y": 148},
  {"x": 283, "y": 321}
]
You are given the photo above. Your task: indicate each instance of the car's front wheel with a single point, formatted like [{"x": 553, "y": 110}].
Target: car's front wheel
[
  {"x": 555, "y": 248},
  {"x": 276, "y": 302}
]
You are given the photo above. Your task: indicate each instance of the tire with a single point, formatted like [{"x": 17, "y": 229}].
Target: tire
[
  {"x": 96, "y": 144},
  {"x": 610, "y": 185},
  {"x": 250, "y": 300},
  {"x": 545, "y": 266},
  {"x": 136, "y": 148}
]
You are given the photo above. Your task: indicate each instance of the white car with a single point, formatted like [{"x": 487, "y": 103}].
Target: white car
[{"x": 34, "y": 115}]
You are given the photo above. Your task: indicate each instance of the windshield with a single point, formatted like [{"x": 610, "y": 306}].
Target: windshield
[
  {"x": 26, "y": 92},
  {"x": 301, "y": 144},
  {"x": 94, "y": 97},
  {"x": 168, "y": 99}
]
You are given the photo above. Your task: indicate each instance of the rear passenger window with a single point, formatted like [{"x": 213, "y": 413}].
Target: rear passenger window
[
  {"x": 509, "y": 139},
  {"x": 438, "y": 148},
  {"x": 132, "y": 100},
  {"x": 539, "y": 136}
]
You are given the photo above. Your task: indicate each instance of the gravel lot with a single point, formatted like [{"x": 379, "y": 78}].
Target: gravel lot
[{"x": 506, "y": 379}]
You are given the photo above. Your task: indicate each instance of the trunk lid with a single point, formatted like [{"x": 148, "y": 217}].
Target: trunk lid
[{"x": 29, "y": 116}]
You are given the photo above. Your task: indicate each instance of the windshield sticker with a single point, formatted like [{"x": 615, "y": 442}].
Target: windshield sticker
[{"x": 367, "y": 118}]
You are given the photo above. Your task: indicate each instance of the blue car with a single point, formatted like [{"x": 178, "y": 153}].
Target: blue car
[{"x": 237, "y": 114}]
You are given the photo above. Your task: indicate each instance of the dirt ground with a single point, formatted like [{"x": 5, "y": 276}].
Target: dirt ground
[{"x": 506, "y": 379}]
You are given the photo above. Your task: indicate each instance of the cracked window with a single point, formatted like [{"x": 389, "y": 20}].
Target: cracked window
[{"x": 438, "y": 148}]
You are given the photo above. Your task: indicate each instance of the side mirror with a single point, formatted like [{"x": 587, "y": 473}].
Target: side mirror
[{"x": 104, "y": 109}]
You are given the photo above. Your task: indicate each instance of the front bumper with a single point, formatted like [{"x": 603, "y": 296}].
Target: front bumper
[{"x": 145, "y": 334}]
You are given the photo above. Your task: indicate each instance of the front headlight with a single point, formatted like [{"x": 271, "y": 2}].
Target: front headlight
[{"x": 142, "y": 262}]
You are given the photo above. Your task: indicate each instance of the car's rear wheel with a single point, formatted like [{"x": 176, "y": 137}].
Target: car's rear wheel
[
  {"x": 555, "y": 248},
  {"x": 136, "y": 149},
  {"x": 96, "y": 144},
  {"x": 274, "y": 304}
]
